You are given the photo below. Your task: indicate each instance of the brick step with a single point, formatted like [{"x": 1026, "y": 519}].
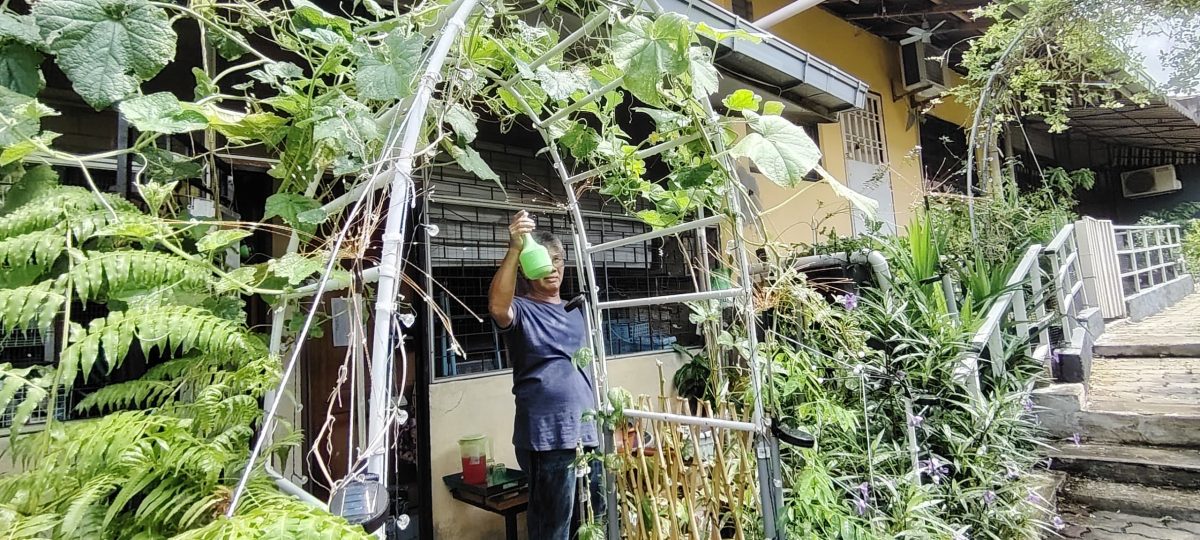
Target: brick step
[
  {"x": 1149, "y": 345},
  {"x": 1155, "y": 466},
  {"x": 1151, "y": 502}
]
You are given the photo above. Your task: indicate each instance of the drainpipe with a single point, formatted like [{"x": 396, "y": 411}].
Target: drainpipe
[{"x": 784, "y": 13}]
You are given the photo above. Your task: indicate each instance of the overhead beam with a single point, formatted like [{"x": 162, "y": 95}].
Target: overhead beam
[{"x": 944, "y": 9}]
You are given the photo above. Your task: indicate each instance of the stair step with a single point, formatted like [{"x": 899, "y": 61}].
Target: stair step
[
  {"x": 1175, "y": 467},
  {"x": 1148, "y": 346},
  {"x": 1159, "y": 428},
  {"x": 1154, "y": 502},
  {"x": 1047, "y": 485}
]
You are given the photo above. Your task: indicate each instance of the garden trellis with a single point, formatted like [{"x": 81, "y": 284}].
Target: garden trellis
[{"x": 660, "y": 59}]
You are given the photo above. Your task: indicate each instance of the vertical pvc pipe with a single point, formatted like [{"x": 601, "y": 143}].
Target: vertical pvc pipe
[{"x": 382, "y": 348}]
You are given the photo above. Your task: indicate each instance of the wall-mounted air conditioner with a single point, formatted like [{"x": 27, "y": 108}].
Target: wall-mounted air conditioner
[
  {"x": 922, "y": 73},
  {"x": 1149, "y": 182}
]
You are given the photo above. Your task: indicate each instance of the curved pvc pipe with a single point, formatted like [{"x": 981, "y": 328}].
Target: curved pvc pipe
[{"x": 878, "y": 262}]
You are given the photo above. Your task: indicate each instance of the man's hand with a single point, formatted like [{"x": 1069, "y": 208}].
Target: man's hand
[{"x": 521, "y": 224}]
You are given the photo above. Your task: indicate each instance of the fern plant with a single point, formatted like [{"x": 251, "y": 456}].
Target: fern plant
[{"x": 162, "y": 460}]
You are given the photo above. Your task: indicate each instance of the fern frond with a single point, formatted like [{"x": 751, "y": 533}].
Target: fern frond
[
  {"x": 18, "y": 527},
  {"x": 26, "y": 257},
  {"x": 24, "y": 307},
  {"x": 87, "y": 499},
  {"x": 124, "y": 270},
  {"x": 166, "y": 328},
  {"x": 267, "y": 514},
  {"x": 139, "y": 393},
  {"x": 50, "y": 209}
]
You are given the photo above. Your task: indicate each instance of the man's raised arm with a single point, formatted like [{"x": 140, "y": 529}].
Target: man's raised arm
[{"x": 504, "y": 283}]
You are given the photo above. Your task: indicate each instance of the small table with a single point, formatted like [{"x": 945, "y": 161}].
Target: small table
[{"x": 506, "y": 495}]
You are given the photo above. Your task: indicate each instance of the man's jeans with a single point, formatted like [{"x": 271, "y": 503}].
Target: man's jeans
[{"x": 553, "y": 499}]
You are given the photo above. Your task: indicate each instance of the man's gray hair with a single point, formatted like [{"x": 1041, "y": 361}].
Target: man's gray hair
[{"x": 549, "y": 241}]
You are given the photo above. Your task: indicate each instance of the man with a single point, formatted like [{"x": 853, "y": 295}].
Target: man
[{"x": 552, "y": 393}]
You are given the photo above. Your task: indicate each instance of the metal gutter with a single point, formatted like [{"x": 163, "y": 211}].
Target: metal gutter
[{"x": 775, "y": 65}]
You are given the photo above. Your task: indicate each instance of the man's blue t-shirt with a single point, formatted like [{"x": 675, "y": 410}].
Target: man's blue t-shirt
[{"x": 551, "y": 392}]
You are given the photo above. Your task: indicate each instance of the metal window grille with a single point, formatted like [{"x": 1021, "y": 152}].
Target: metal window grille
[
  {"x": 862, "y": 131},
  {"x": 24, "y": 348},
  {"x": 471, "y": 218}
]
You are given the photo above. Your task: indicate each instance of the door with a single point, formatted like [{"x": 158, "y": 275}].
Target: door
[{"x": 866, "y": 162}]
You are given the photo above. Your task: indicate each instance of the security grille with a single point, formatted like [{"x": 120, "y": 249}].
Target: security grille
[
  {"x": 862, "y": 131},
  {"x": 24, "y": 348}
]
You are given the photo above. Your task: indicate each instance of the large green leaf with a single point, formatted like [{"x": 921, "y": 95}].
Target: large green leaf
[
  {"x": 106, "y": 47},
  {"x": 288, "y": 206},
  {"x": 462, "y": 121},
  {"x": 347, "y": 129},
  {"x": 472, "y": 162},
  {"x": 780, "y": 149},
  {"x": 19, "y": 28},
  {"x": 220, "y": 238},
  {"x": 387, "y": 71},
  {"x": 161, "y": 112},
  {"x": 165, "y": 166},
  {"x": 559, "y": 85},
  {"x": 647, "y": 50},
  {"x": 705, "y": 79},
  {"x": 20, "y": 117},
  {"x": 295, "y": 268},
  {"x": 20, "y": 69}
]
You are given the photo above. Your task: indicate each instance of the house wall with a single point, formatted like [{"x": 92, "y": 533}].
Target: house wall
[
  {"x": 796, "y": 217},
  {"x": 485, "y": 405}
]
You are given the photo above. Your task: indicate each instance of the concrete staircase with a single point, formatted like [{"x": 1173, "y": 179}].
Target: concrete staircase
[{"x": 1135, "y": 470}]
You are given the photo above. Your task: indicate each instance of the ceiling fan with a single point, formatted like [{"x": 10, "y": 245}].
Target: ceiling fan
[{"x": 922, "y": 34}]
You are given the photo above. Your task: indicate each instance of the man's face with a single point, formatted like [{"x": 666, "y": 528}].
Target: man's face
[{"x": 549, "y": 285}]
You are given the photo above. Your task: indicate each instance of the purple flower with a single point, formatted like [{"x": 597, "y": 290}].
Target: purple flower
[
  {"x": 848, "y": 300},
  {"x": 916, "y": 420},
  {"x": 1054, "y": 358},
  {"x": 860, "y": 506},
  {"x": 1027, "y": 403},
  {"x": 1075, "y": 439},
  {"x": 1058, "y": 523},
  {"x": 989, "y": 497},
  {"x": 865, "y": 489},
  {"x": 1012, "y": 473},
  {"x": 934, "y": 468},
  {"x": 1034, "y": 498}
]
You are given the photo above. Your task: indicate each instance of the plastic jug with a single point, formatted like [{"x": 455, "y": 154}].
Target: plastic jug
[
  {"x": 474, "y": 450},
  {"x": 535, "y": 259}
]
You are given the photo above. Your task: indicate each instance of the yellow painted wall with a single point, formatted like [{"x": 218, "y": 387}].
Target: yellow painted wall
[{"x": 485, "y": 405}]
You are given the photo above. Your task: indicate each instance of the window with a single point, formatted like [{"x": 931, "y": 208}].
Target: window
[
  {"x": 471, "y": 218},
  {"x": 862, "y": 131}
]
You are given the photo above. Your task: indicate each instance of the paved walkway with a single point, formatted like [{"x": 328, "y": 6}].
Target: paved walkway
[
  {"x": 1085, "y": 525},
  {"x": 1169, "y": 333}
]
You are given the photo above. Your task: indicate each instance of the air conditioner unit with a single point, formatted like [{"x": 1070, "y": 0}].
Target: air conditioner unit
[
  {"x": 1149, "y": 182},
  {"x": 922, "y": 78}
]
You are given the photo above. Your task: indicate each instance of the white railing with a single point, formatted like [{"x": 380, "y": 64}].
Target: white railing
[
  {"x": 1148, "y": 256},
  {"x": 1026, "y": 291}
]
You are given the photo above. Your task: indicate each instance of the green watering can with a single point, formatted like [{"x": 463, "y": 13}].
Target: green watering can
[{"x": 535, "y": 259}]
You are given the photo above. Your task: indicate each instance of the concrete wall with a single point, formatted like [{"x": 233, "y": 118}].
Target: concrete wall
[
  {"x": 485, "y": 405},
  {"x": 795, "y": 217}
]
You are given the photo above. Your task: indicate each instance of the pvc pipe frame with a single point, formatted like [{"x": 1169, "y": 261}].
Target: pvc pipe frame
[
  {"x": 786, "y": 12},
  {"x": 878, "y": 262}
]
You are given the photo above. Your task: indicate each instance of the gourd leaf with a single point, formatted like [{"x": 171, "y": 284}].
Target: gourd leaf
[
  {"x": 20, "y": 117},
  {"x": 705, "y": 79},
  {"x": 646, "y": 50},
  {"x": 387, "y": 72},
  {"x": 295, "y": 268},
  {"x": 779, "y": 148},
  {"x": 20, "y": 29},
  {"x": 220, "y": 238},
  {"x": 742, "y": 100},
  {"x": 161, "y": 112},
  {"x": 559, "y": 85},
  {"x": 164, "y": 166},
  {"x": 462, "y": 121},
  {"x": 472, "y": 162},
  {"x": 106, "y": 47},
  {"x": 20, "y": 69},
  {"x": 288, "y": 206}
]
